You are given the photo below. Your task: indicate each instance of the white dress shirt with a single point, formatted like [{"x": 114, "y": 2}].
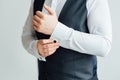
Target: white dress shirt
[{"x": 97, "y": 42}]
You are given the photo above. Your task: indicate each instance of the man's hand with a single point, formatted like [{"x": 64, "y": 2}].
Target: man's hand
[
  {"x": 47, "y": 47},
  {"x": 45, "y": 23}
]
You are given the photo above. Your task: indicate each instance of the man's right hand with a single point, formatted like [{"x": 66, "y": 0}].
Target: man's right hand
[{"x": 47, "y": 47}]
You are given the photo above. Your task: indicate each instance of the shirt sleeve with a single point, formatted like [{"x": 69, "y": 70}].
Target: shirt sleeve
[
  {"x": 98, "y": 41},
  {"x": 29, "y": 39}
]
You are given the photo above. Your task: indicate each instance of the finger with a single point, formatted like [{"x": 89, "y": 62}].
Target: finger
[
  {"x": 52, "y": 50},
  {"x": 45, "y": 52},
  {"x": 50, "y": 45},
  {"x": 35, "y": 23},
  {"x": 49, "y": 51},
  {"x": 46, "y": 41},
  {"x": 40, "y": 14},
  {"x": 35, "y": 28},
  {"x": 50, "y": 11},
  {"x": 37, "y": 19}
]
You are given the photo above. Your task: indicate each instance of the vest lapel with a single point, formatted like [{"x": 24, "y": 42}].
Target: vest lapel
[{"x": 38, "y": 5}]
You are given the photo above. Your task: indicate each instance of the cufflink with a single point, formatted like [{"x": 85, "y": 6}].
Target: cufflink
[{"x": 55, "y": 41}]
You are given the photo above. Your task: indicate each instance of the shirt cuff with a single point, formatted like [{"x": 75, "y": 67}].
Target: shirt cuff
[
  {"x": 35, "y": 51},
  {"x": 61, "y": 32}
]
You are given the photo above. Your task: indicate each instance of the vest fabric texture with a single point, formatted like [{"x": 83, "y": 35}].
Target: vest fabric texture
[{"x": 66, "y": 64}]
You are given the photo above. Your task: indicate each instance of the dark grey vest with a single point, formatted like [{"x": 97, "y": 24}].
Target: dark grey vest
[{"x": 66, "y": 64}]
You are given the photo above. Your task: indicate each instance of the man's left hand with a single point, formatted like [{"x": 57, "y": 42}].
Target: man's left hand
[{"x": 45, "y": 23}]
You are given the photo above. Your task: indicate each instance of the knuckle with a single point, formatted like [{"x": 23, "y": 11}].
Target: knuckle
[
  {"x": 39, "y": 21},
  {"x": 43, "y": 16},
  {"x": 35, "y": 17},
  {"x": 32, "y": 21},
  {"x": 37, "y": 12}
]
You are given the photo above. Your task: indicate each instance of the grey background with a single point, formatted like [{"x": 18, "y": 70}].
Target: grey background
[{"x": 17, "y": 64}]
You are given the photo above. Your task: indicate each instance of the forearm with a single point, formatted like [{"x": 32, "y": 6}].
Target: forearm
[{"x": 82, "y": 42}]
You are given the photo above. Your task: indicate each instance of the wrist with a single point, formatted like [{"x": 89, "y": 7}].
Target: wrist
[{"x": 56, "y": 23}]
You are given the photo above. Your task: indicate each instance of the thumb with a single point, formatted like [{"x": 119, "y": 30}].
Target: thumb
[{"x": 50, "y": 11}]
